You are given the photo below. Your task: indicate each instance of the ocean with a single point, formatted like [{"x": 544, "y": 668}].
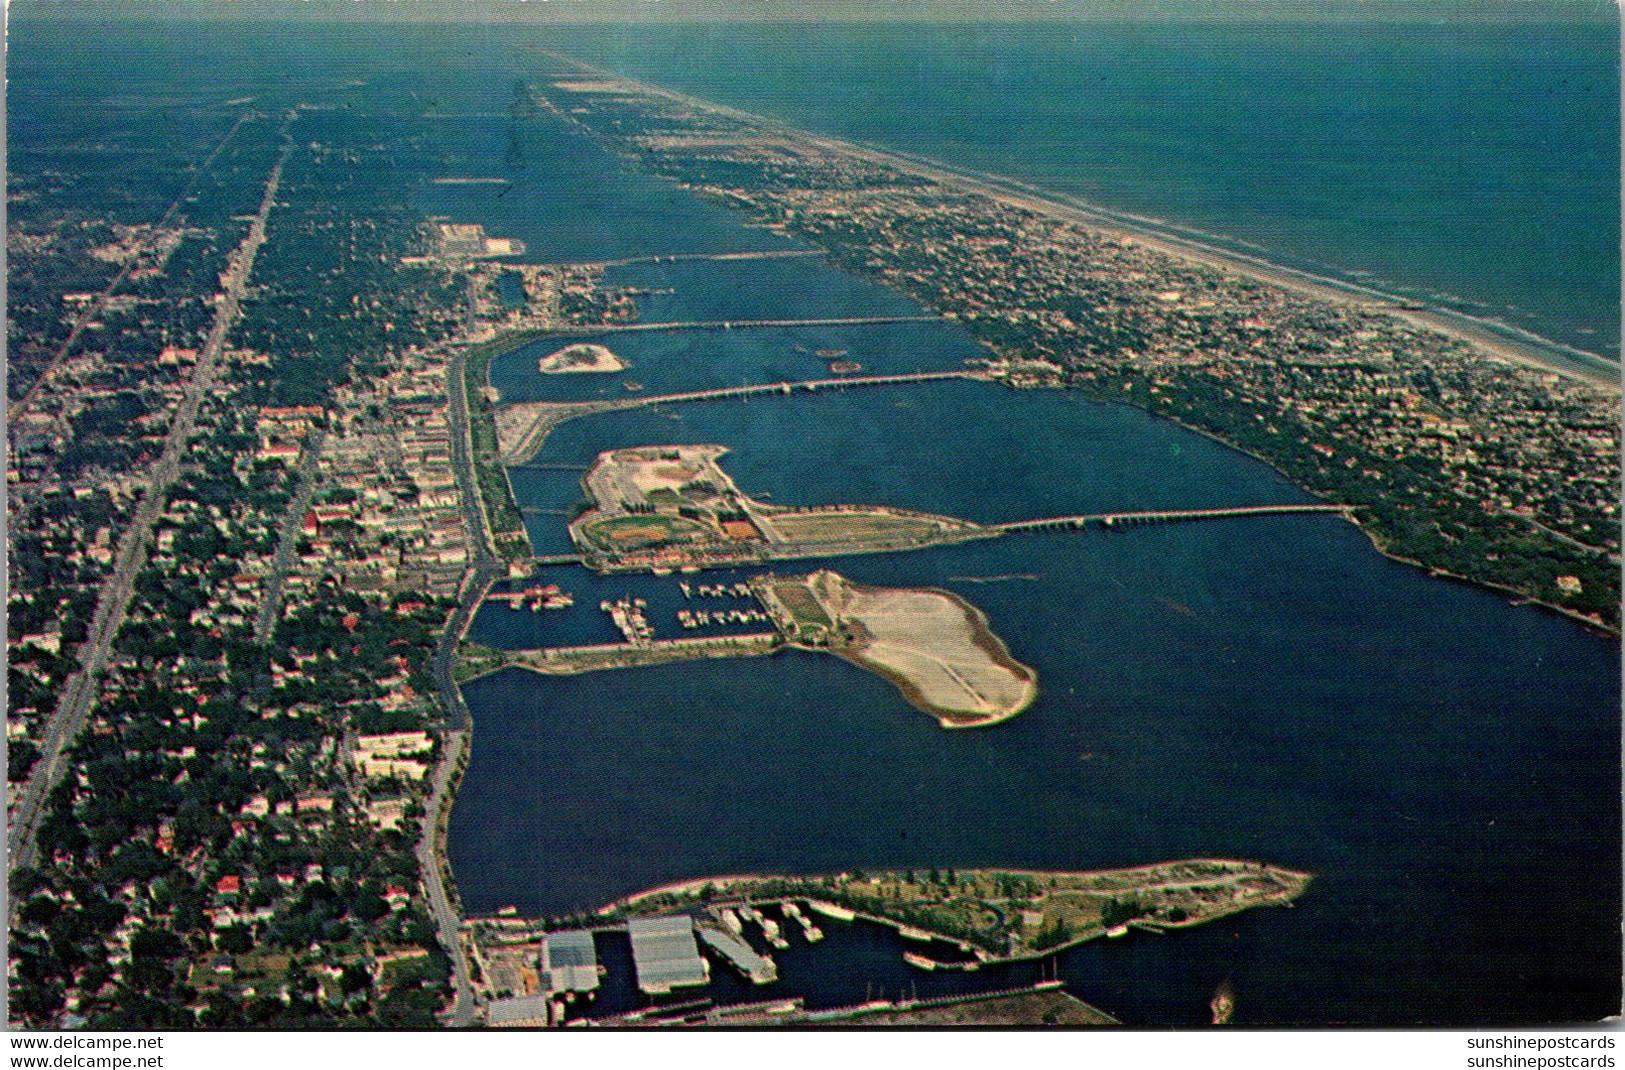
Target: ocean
[{"x": 1471, "y": 164}]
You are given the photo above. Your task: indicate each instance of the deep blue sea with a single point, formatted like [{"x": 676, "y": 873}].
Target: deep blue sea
[
  {"x": 1470, "y": 164},
  {"x": 1445, "y": 762}
]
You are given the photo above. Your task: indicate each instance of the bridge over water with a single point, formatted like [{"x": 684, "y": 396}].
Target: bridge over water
[
  {"x": 791, "y": 386},
  {"x": 672, "y": 258},
  {"x": 557, "y": 559},
  {"x": 731, "y": 325},
  {"x": 551, "y": 414},
  {"x": 1157, "y": 516}
]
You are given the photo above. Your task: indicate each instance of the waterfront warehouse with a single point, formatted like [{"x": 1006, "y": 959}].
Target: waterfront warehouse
[
  {"x": 569, "y": 962},
  {"x": 665, "y": 955}
]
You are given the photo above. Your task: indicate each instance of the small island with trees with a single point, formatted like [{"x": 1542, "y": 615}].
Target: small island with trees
[{"x": 581, "y": 357}]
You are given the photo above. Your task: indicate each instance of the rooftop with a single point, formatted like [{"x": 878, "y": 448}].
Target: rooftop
[
  {"x": 665, "y": 955},
  {"x": 570, "y": 961}
]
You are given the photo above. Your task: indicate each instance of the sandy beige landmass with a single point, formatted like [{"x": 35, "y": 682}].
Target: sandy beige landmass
[
  {"x": 936, "y": 647},
  {"x": 581, "y": 357}
]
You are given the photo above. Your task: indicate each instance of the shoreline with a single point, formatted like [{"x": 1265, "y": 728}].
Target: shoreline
[
  {"x": 1484, "y": 335},
  {"x": 1352, "y": 517},
  {"x": 1492, "y": 338},
  {"x": 1497, "y": 349}
]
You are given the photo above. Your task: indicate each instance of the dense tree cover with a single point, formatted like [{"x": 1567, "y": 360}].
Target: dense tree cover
[
  {"x": 204, "y": 740},
  {"x": 1407, "y": 506}
]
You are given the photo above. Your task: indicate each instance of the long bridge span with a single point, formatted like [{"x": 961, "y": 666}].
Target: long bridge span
[
  {"x": 524, "y": 446},
  {"x": 1157, "y": 516},
  {"x": 731, "y": 325},
  {"x": 792, "y": 386},
  {"x": 672, "y": 258},
  {"x": 964, "y": 532}
]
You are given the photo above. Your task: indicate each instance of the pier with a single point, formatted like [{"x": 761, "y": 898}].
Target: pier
[{"x": 758, "y": 968}]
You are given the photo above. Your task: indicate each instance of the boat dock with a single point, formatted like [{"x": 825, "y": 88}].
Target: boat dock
[
  {"x": 830, "y": 910},
  {"x": 812, "y": 932},
  {"x": 759, "y": 969}
]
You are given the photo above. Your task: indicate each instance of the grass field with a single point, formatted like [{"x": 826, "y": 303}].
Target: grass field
[{"x": 796, "y": 598}]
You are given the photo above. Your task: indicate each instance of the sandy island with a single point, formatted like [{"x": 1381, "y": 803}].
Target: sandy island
[
  {"x": 936, "y": 647},
  {"x": 581, "y": 357}
]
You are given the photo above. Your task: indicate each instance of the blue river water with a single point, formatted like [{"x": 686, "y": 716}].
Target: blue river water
[{"x": 1445, "y": 762}]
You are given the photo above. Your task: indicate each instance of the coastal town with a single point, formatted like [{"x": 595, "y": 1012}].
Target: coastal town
[
  {"x": 1471, "y": 458},
  {"x": 258, "y": 488},
  {"x": 232, "y": 552}
]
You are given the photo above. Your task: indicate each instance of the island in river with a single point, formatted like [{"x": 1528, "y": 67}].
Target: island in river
[
  {"x": 581, "y": 357},
  {"x": 661, "y": 508},
  {"x": 935, "y": 646}
]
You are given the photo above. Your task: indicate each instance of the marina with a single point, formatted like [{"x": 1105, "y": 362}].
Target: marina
[{"x": 655, "y": 967}]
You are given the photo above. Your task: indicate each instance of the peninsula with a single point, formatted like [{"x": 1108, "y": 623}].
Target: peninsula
[
  {"x": 937, "y": 648},
  {"x": 947, "y": 920},
  {"x": 1006, "y": 914}
]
